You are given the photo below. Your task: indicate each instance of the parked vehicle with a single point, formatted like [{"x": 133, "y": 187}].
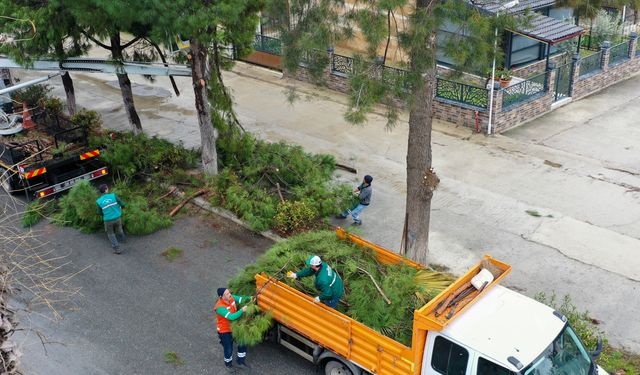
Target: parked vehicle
[
  {"x": 492, "y": 330},
  {"x": 48, "y": 158}
]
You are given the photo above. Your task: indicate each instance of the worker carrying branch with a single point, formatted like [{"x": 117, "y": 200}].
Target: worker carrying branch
[
  {"x": 328, "y": 282},
  {"x": 227, "y": 311}
]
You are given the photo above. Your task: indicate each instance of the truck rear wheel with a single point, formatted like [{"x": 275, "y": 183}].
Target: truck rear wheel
[{"x": 336, "y": 368}]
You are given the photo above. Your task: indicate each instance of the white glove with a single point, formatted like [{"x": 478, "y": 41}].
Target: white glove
[
  {"x": 292, "y": 275},
  {"x": 244, "y": 308},
  {"x": 316, "y": 300}
]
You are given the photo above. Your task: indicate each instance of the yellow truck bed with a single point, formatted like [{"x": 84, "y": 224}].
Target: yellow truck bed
[{"x": 353, "y": 340}]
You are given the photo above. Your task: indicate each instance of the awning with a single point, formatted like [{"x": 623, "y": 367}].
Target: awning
[{"x": 550, "y": 30}]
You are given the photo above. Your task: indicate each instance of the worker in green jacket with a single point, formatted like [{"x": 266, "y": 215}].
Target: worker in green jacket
[
  {"x": 110, "y": 208},
  {"x": 328, "y": 282}
]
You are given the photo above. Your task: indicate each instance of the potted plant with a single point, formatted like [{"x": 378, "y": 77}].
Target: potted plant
[{"x": 504, "y": 75}]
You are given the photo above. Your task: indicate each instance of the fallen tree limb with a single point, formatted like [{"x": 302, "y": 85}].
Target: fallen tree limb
[
  {"x": 173, "y": 189},
  {"x": 346, "y": 168},
  {"x": 376, "y": 284},
  {"x": 179, "y": 206}
]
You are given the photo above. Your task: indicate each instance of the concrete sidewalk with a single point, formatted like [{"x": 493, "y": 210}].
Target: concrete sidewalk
[{"x": 580, "y": 235}]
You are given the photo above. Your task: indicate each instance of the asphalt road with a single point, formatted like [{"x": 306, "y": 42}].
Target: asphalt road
[{"x": 135, "y": 307}]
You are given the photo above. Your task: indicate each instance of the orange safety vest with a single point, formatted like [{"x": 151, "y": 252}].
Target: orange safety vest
[{"x": 223, "y": 324}]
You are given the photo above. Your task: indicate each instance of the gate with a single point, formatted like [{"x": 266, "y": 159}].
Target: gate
[{"x": 564, "y": 82}]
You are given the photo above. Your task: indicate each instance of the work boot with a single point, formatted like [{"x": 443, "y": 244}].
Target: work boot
[
  {"x": 340, "y": 216},
  {"x": 230, "y": 369},
  {"x": 117, "y": 250},
  {"x": 357, "y": 223}
]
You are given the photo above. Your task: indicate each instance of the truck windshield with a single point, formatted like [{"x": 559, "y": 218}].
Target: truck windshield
[{"x": 566, "y": 355}]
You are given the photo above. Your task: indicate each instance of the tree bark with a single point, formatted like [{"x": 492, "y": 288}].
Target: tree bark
[
  {"x": 200, "y": 76},
  {"x": 125, "y": 87},
  {"x": 67, "y": 82},
  {"x": 419, "y": 193}
]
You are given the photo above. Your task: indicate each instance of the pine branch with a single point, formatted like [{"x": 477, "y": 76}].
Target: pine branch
[
  {"x": 128, "y": 44},
  {"x": 96, "y": 41},
  {"x": 376, "y": 284}
]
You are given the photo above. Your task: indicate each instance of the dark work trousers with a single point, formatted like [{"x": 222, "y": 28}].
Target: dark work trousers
[
  {"x": 226, "y": 340},
  {"x": 113, "y": 227}
]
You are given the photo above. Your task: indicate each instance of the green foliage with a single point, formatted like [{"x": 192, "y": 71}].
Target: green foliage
[
  {"x": 252, "y": 171},
  {"x": 88, "y": 119},
  {"x": 172, "y": 253},
  {"x": 612, "y": 360},
  {"x": 33, "y": 95},
  {"x": 402, "y": 284},
  {"x": 173, "y": 358},
  {"x": 35, "y": 211},
  {"x": 129, "y": 155},
  {"x": 78, "y": 208},
  {"x": 53, "y": 105},
  {"x": 294, "y": 216},
  {"x": 251, "y": 327}
]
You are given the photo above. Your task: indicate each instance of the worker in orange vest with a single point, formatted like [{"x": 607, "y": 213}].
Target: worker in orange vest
[{"x": 226, "y": 312}]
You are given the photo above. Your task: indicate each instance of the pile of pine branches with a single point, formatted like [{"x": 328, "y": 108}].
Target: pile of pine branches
[{"x": 381, "y": 296}]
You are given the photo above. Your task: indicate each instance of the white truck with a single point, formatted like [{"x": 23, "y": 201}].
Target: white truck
[{"x": 491, "y": 330}]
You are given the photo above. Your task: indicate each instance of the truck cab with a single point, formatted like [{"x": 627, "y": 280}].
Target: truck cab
[{"x": 507, "y": 333}]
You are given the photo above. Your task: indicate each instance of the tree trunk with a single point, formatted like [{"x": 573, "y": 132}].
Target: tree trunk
[
  {"x": 200, "y": 76},
  {"x": 419, "y": 178},
  {"x": 125, "y": 87},
  {"x": 67, "y": 82}
]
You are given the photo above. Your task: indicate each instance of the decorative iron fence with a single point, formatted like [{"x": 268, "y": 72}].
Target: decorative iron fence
[
  {"x": 618, "y": 53},
  {"x": 523, "y": 91},
  {"x": 267, "y": 44},
  {"x": 591, "y": 63},
  {"x": 462, "y": 93},
  {"x": 342, "y": 65},
  {"x": 395, "y": 76}
]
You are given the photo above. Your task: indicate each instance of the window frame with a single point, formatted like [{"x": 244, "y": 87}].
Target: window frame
[{"x": 470, "y": 355}]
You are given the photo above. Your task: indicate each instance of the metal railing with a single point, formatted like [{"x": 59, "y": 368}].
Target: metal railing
[
  {"x": 267, "y": 44},
  {"x": 591, "y": 63},
  {"x": 618, "y": 53},
  {"x": 394, "y": 76},
  {"x": 342, "y": 65},
  {"x": 523, "y": 91},
  {"x": 462, "y": 93}
]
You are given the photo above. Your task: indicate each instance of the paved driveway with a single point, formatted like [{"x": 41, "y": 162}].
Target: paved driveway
[{"x": 133, "y": 308}]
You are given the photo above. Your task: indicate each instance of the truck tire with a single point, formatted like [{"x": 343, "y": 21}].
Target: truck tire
[{"x": 333, "y": 367}]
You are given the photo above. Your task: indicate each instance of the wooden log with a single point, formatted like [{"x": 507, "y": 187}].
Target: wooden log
[{"x": 179, "y": 206}]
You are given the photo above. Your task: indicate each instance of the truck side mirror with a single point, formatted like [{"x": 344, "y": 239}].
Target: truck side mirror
[{"x": 596, "y": 353}]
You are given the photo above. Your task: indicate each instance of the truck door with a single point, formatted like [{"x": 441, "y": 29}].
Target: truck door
[{"x": 446, "y": 357}]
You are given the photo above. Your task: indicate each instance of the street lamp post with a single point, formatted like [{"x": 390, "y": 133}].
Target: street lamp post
[{"x": 504, "y": 6}]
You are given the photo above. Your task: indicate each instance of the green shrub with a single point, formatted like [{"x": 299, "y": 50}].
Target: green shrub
[
  {"x": 53, "y": 105},
  {"x": 88, "y": 119},
  {"x": 33, "y": 95},
  {"x": 78, "y": 208},
  {"x": 294, "y": 217}
]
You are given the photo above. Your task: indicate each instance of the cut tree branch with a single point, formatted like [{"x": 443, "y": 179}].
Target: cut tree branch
[{"x": 376, "y": 284}]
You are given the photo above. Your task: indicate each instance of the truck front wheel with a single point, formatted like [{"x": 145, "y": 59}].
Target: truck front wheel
[{"x": 336, "y": 368}]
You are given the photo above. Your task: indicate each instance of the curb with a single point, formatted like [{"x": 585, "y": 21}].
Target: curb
[{"x": 226, "y": 214}]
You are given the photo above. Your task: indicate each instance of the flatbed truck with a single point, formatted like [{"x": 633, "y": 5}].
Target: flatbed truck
[{"x": 497, "y": 332}]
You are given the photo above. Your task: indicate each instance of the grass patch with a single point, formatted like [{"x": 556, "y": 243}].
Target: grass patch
[
  {"x": 172, "y": 253},
  {"x": 173, "y": 358},
  {"x": 613, "y": 360}
]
